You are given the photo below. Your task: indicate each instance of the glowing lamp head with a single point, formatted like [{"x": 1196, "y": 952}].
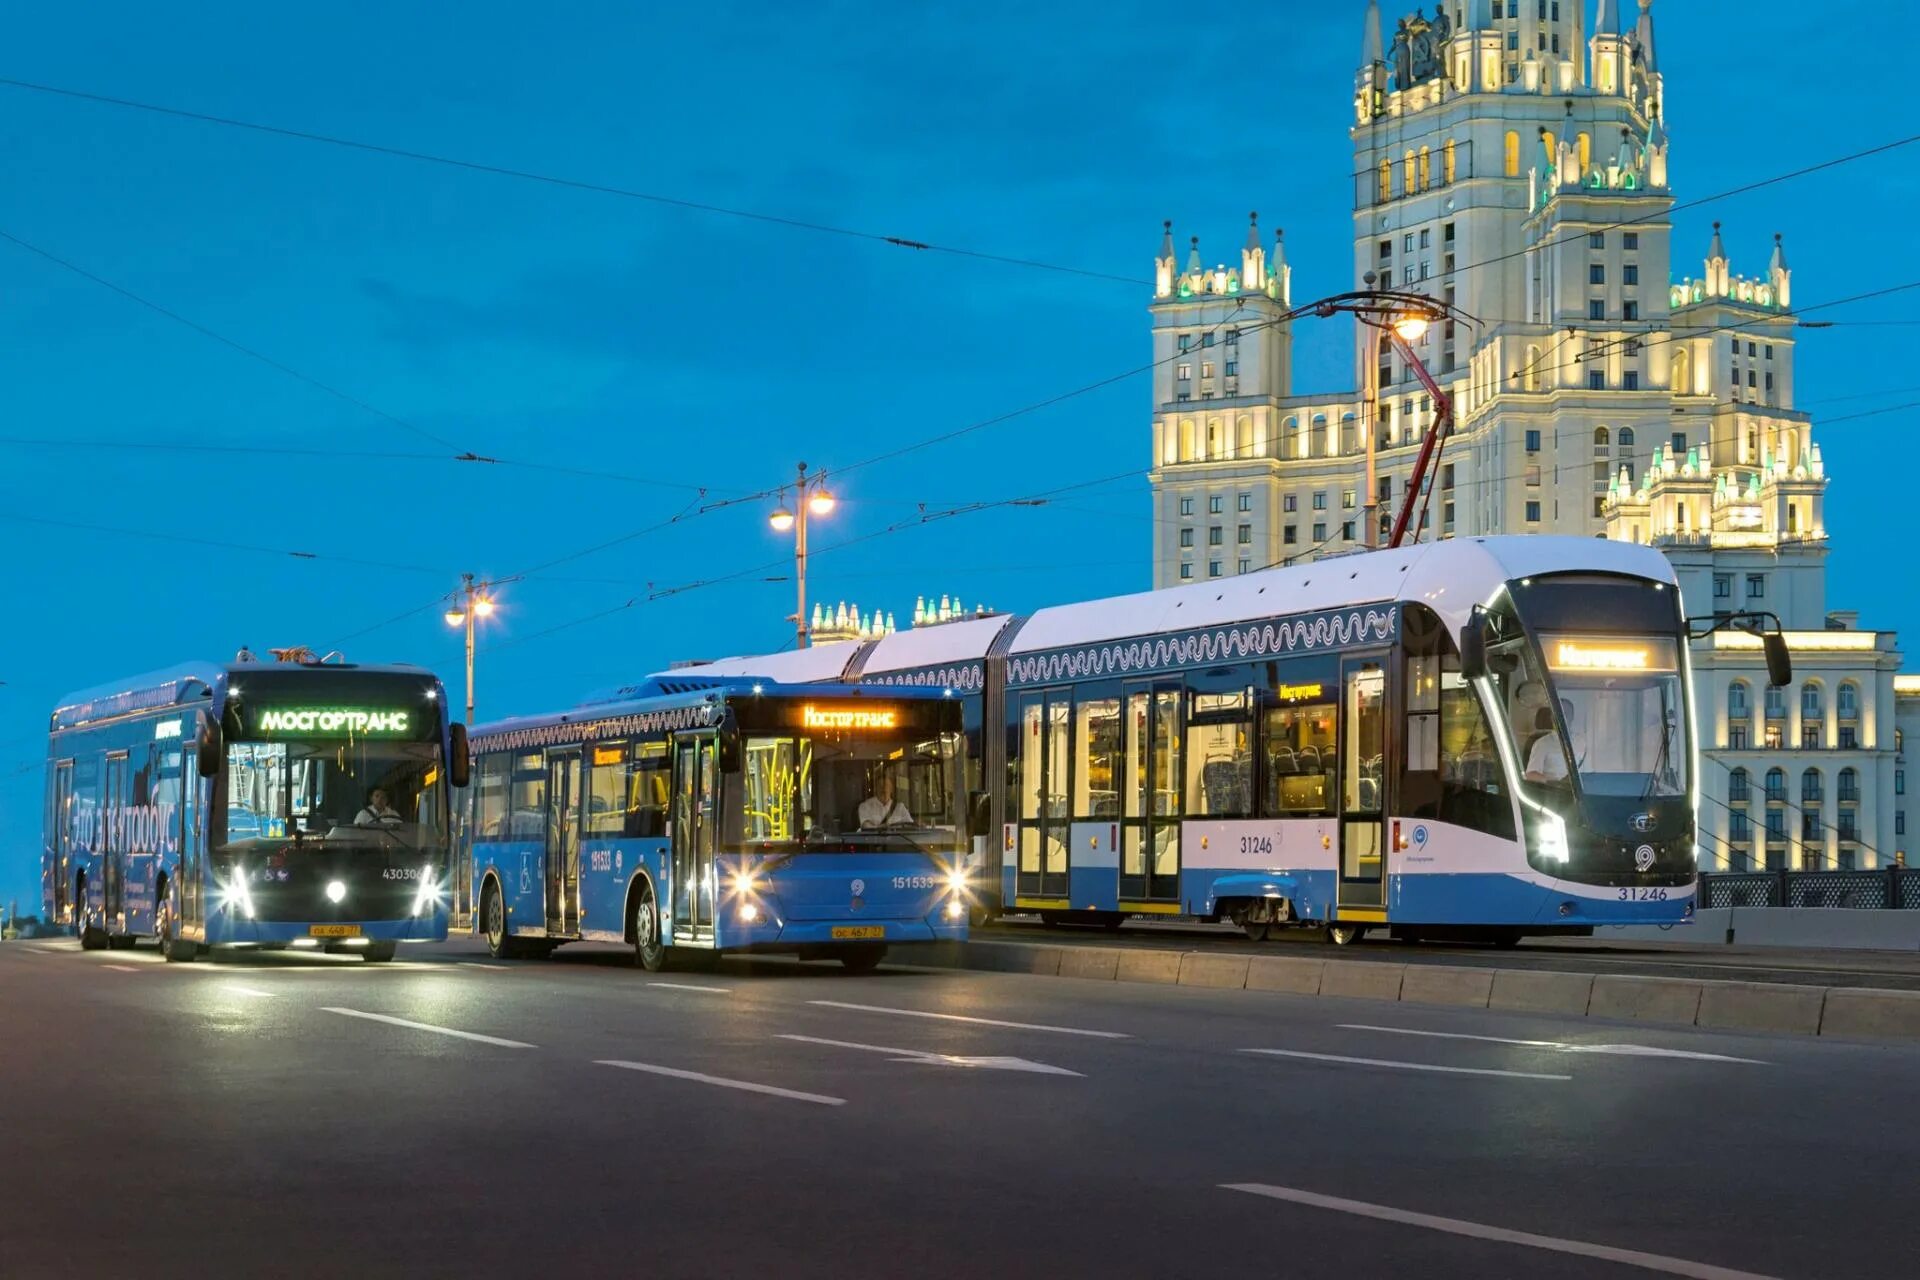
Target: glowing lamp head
[
  {"x": 781, "y": 520},
  {"x": 1411, "y": 327},
  {"x": 455, "y": 617},
  {"x": 336, "y": 891},
  {"x": 483, "y": 607},
  {"x": 821, "y": 502}
]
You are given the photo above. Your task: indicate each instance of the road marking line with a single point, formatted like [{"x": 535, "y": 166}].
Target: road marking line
[
  {"x": 991, "y": 1062},
  {"x": 1407, "y": 1066},
  {"x": 1622, "y": 1050},
  {"x": 122, "y": 968},
  {"x": 699, "y": 1078},
  {"x": 483, "y": 966},
  {"x": 1503, "y": 1235},
  {"x": 428, "y": 1026},
  {"x": 961, "y": 1017},
  {"x": 688, "y": 986},
  {"x": 255, "y": 992}
]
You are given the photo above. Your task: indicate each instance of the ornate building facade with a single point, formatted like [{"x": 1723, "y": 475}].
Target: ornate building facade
[{"x": 1514, "y": 163}]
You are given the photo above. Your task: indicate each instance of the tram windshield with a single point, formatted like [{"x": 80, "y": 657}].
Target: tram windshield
[
  {"x": 827, "y": 790},
  {"x": 1601, "y": 709}
]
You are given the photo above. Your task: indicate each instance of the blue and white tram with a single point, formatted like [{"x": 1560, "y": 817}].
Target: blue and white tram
[{"x": 1479, "y": 738}]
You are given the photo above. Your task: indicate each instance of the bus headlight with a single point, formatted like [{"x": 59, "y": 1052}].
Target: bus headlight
[
  {"x": 956, "y": 909},
  {"x": 431, "y": 895},
  {"x": 234, "y": 895},
  {"x": 749, "y": 913},
  {"x": 1553, "y": 836},
  {"x": 336, "y": 891},
  {"x": 745, "y": 884},
  {"x": 957, "y": 880}
]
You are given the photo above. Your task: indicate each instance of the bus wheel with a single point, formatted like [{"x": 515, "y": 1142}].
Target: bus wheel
[
  {"x": 1345, "y": 935},
  {"x": 91, "y": 938},
  {"x": 175, "y": 949},
  {"x": 649, "y": 952},
  {"x": 1505, "y": 939},
  {"x": 862, "y": 959},
  {"x": 493, "y": 915},
  {"x": 378, "y": 952}
]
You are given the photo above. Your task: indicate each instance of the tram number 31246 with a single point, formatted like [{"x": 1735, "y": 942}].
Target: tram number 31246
[{"x": 1654, "y": 894}]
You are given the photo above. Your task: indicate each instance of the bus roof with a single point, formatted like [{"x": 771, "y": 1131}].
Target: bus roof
[{"x": 172, "y": 686}]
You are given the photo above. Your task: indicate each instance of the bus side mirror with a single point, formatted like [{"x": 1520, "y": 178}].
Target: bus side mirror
[
  {"x": 459, "y": 755},
  {"x": 1779, "y": 661},
  {"x": 1473, "y": 645},
  {"x": 979, "y": 813},
  {"x": 729, "y": 748},
  {"x": 209, "y": 747}
]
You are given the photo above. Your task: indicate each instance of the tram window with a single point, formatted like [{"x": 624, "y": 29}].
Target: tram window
[
  {"x": 607, "y": 789},
  {"x": 1300, "y": 749},
  {"x": 1097, "y": 781},
  {"x": 490, "y": 798},
  {"x": 1423, "y": 718},
  {"x": 1220, "y": 757},
  {"x": 1363, "y": 749},
  {"x": 527, "y": 800},
  {"x": 1472, "y": 793}
]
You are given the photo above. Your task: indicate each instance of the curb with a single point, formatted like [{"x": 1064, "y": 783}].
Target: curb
[{"x": 1857, "y": 1013}]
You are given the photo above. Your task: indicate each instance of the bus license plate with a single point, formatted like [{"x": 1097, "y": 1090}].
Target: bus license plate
[
  {"x": 333, "y": 931},
  {"x": 860, "y": 931}
]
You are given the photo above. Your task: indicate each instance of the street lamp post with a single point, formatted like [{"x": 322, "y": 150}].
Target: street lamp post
[
  {"x": 473, "y": 600},
  {"x": 810, "y": 496}
]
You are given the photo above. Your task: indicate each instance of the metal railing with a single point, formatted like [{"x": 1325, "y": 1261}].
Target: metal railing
[{"x": 1888, "y": 887}]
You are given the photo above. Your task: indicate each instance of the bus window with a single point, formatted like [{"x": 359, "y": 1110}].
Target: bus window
[
  {"x": 649, "y": 784},
  {"x": 607, "y": 789},
  {"x": 527, "y": 800},
  {"x": 1300, "y": 750},
  {"x": 490, "y": 798},
  {"x": 1219, "y": 757}
]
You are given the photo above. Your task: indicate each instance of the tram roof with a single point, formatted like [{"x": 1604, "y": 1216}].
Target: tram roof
[
  {"x": 792, "y": 666},
  {"x": 947, "y": 642},
  {"x": 658, "y": 698}
]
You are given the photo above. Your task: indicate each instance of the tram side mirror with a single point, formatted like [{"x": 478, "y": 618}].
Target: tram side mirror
[
  {"x": 979, "y": 813},
  {"x": 1779, "y": 661},
  {"x": 1473, "y": 645},
  {"x": 209, "y": 747},
  {"x": 459, "y": 755}
]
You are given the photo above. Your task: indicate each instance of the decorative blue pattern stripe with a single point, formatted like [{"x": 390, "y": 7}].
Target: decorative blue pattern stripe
[
  {"x": 966, "y": 678},
  {"x": 1339, "y": 629},
  {"x": 567, "y": 732}
]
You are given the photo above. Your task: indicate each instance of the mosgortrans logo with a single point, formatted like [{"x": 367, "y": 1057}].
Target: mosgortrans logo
[{"x": 335, "y": 720}]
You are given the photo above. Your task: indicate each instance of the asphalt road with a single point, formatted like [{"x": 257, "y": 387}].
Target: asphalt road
[
  {"x": 446, "y": 1115},
  {"x": 1700, "y": 957}
]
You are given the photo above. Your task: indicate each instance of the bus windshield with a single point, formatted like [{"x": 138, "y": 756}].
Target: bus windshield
[
  {"x": 342, "y": 792},
  {"x": 821, "y": 790}
]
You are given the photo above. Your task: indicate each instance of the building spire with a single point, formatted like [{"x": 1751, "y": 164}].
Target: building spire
[
  {"x": 1718, "y": 249},
  {"x": 1253, "y": 230},
  {"x": 1372, "y": 48},
  {"x": 1644, "y": 34},
  {"x": 1166, "y": 239},
  {"x": 1194, "y": 265},
  {"x": 1607, "y": 23},
  {"x": 1164, "y": 264},
  {"x": 1779, "y": 262}
]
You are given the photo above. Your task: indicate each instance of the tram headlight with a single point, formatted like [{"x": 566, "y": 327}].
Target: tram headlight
[{"x": 1553, "y": 836}]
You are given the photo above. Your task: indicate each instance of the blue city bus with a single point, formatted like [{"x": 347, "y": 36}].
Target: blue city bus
[
  {"x": 210, "y": 806},
  {"x": 1476, "y": 739},
  {"x": 691, "y": 817}
]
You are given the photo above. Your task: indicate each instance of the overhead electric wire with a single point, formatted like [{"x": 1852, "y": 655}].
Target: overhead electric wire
[
  {"x": 574, "y": 184},
  {"x": 216, "y": 543}
]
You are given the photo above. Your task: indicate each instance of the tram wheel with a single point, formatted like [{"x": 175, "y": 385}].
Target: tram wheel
[
  {"x": 862, "y": 959},
  {"x": 1345, "y": 935},
  {"x": 649, "y": 951}
]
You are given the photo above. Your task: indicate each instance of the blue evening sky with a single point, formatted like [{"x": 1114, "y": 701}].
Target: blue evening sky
[{"x": 580, "y": 330}]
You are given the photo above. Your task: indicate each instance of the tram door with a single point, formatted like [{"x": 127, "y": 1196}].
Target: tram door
[
  {"x": 1150, "y": 823},
  {"x": 695, "y": 784},
  {"x": 1045, "y": 785},
  {"x": 1363, "y": 773},
  {"x": 563, "y": 842}
]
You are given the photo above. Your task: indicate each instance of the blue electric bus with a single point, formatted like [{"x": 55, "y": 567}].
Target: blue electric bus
[
  {"x": 212, "y": 806},
  {"x": 688, "y": 817},
  {"x": 1482, "y": 738}
]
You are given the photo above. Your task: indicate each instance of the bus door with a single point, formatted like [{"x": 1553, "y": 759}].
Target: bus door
[
  {"x": 187, "y": 901},
  {"x": 695, "y": 783},
  {"x": 1150, "y": 839},
  {"x": 1045, "y": 786},
  {"x": 1363, "y": 802},
  {"x": 61, "y": 846},
  {"x": 563, "y": 842},
  {"x": 113, "y": 868}
]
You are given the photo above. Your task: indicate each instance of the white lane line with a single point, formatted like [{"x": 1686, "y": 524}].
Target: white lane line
[
  {"x": 989, "y": 1062},
  {"x": 428, "y": 1026},
  {"x": 1503, "y": 1235},
  {"x": 254, "y": 992},
  {"x": 700, "y": 1078},
  {"x": 688, "y": 986},
  {"x": 1622, "y": 1050},
  {"x": 122, "y": 968},
  {"x": 961, "y": 1017},
  {"x": 1407, "y": 1066},
  {"x": 482, "y": 966}
]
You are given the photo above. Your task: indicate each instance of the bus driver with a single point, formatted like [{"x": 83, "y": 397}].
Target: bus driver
[
  {"x": 379, "y": 811},
  {"x": 880, "y": 809}
]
